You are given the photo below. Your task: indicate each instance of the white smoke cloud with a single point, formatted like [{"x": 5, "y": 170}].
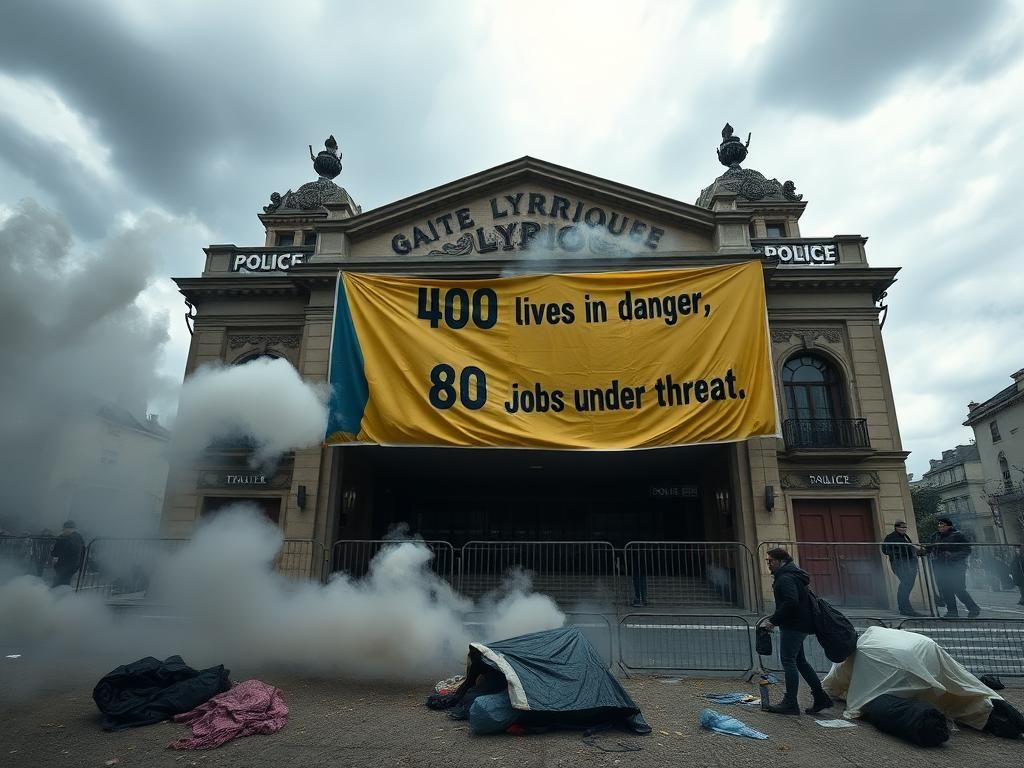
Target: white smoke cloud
[
  {"x": 223, "y": 603},
  {"x": 74, "y": 341},
  {"x": 265, "y": 400}
]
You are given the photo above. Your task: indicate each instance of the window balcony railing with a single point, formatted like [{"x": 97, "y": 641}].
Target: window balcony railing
[
  {"x": 1010, "y": 491},
  {"x": 825, "y": 434}
]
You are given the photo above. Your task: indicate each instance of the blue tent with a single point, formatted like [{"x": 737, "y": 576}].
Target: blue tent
[{"x": 554, "y": 678}]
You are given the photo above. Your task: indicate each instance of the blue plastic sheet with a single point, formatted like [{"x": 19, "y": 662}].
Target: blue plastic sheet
[
  {"x": 726, "y": 698},
  {"x": 719, "y": 723}
]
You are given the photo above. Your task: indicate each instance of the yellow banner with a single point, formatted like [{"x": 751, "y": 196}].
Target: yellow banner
[{"x": 608, "y": 360}]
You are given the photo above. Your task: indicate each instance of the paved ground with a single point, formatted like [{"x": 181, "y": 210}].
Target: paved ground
[{"x": 338, "y": 724}]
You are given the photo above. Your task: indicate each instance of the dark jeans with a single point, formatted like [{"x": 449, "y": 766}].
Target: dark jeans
[
  {"x": 795, "y": 665},
  {"x": 952, "y": 582},
  {"x": 907, "y": 574},
  {"x": 639, "y": 585}
]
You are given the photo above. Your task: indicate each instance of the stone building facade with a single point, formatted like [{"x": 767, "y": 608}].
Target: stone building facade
[
  {"x": 837, "y": 472},
  {"x": 998, "y": 425},
  {"x": 959, "y": 479}
]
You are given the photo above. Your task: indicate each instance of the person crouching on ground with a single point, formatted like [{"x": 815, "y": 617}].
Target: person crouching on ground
[{"x": 794, "y": 616}]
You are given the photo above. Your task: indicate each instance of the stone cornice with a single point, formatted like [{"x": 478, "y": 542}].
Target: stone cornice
[
  {"x": 833, "y": 335},
  {"x": 320, "y": 271},
  {"x": 237, "y": 285},
  {"x": 876, "y": 279}
]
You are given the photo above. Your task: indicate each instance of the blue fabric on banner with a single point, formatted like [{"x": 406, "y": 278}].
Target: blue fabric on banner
[{"x": 349, "y": 389}]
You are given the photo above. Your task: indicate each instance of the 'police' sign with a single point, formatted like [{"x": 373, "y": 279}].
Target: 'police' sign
[
  {"x": 804, "y": 254},
  {"x": 265, "y": 262}
]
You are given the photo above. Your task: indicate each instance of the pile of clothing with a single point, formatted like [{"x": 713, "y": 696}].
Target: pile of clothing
[{"x": 150, "y": 691}]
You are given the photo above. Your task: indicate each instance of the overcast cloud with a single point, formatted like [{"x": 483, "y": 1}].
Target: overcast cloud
[{"x": 897, "y": 120}]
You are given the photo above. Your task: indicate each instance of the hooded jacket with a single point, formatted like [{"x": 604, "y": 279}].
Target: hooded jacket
[{"x": 793, "y": 606}]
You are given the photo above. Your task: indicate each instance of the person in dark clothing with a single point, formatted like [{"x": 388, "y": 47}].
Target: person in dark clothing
[
  {"x": 68, "y": 554},
  {"x": 794, "y": 616},
  {"x": 902, "y": 554},
  {"x": 1017, "y": 571},
  {"x": 638, "y": 568},
  {"x": 949, "y": 554}
]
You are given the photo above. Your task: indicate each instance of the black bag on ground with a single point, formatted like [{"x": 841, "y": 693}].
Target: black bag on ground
[
  {"x": 1005, "y": 720},
  {"x": 915, "y": 721},
  {"x": 149, "y": 691},
  {"x": 763, "y": 641},
  {"x": 992, "y": 682},
  {"x": 835, "y": 633}
]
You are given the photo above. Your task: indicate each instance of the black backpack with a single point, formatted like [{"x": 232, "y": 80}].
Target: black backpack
[{"x": 834, "y": 631}]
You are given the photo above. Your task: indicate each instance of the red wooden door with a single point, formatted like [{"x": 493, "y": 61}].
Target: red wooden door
[{"x": 846, "y": 573}]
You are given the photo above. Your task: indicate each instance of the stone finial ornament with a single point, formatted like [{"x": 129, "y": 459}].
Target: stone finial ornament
[
  {"x": 327, "y": 163},
  {"x": 732, "y": 152}
]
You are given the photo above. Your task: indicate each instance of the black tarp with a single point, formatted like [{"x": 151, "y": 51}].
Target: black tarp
[
  {"x": 149, "y": 691},
  {"x": 555, "y": 678},
  {"x": 915, "y": 721}
]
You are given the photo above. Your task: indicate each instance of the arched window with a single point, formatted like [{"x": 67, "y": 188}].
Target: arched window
[
  {"x": 1004, "y": 470},
  {"x": 813, "y": 389}
]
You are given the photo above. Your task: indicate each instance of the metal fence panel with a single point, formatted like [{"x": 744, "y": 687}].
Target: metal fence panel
[
  {"x": 992, "y": 573},
  {"x": 812, "y": 649},
  {"x": 29, "y": 554},
  {"x": 568, "y": 571},
  {"x": 696, "y": 643},
  {"x": 353, "y": 556},
  {"x": 302, "y": 559},
  {"x": 856, "y": 575},
  {"x": 850, "y": 575},
  {"x": 984, "y": 646},
  {"x": 123, "y": 567},
  {"x": 676, "y": 574},
  {"x": 595, "y": 627}
]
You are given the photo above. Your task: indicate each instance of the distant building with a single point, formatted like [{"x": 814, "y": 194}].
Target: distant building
[
  {"x": 960, "y": 481},
  {"x": 998, "y": 425},
  {"x": 108, "y": 474}
]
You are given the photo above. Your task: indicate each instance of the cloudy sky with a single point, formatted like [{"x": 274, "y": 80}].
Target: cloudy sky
[{"x": 132, "y": 134}]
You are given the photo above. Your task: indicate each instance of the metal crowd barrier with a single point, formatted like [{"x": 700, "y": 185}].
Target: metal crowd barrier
[
  {"x": 28, "y": 554},
  {"x": 303, "y": 559},
  {"x": 994, "y": 577},
  {"x": 353, "y": 556},
  {"x": 123, "y": 567},
  {"x": 705, "y": 574},
  {"x": 984, "y": 646},
  {"x": 685, "y": 643},
  {"x": 812, "y": 649},
  {"x": 568, "y": 571},
  {"x": 595, "y": 627},
  {"x": 850, "y": 575}
]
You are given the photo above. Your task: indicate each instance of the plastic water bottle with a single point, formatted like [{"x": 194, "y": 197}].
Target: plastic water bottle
[{"x": 763, "y": 684}]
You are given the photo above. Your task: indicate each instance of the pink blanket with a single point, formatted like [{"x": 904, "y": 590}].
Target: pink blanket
[{"x": 249, "y": 707}]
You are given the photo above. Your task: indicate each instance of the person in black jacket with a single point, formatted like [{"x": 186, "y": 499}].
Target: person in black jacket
[
  {"x": 949, "y": 554},
  {"x": 68, "y": 553},
  {"x": 794, "y": 616},
  {"x": 902, "y": 554},
  {"x": 1017, "y": 571}
]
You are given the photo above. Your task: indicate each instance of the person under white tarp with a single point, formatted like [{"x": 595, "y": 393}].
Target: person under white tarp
[{"x": 910, "y": 666}]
